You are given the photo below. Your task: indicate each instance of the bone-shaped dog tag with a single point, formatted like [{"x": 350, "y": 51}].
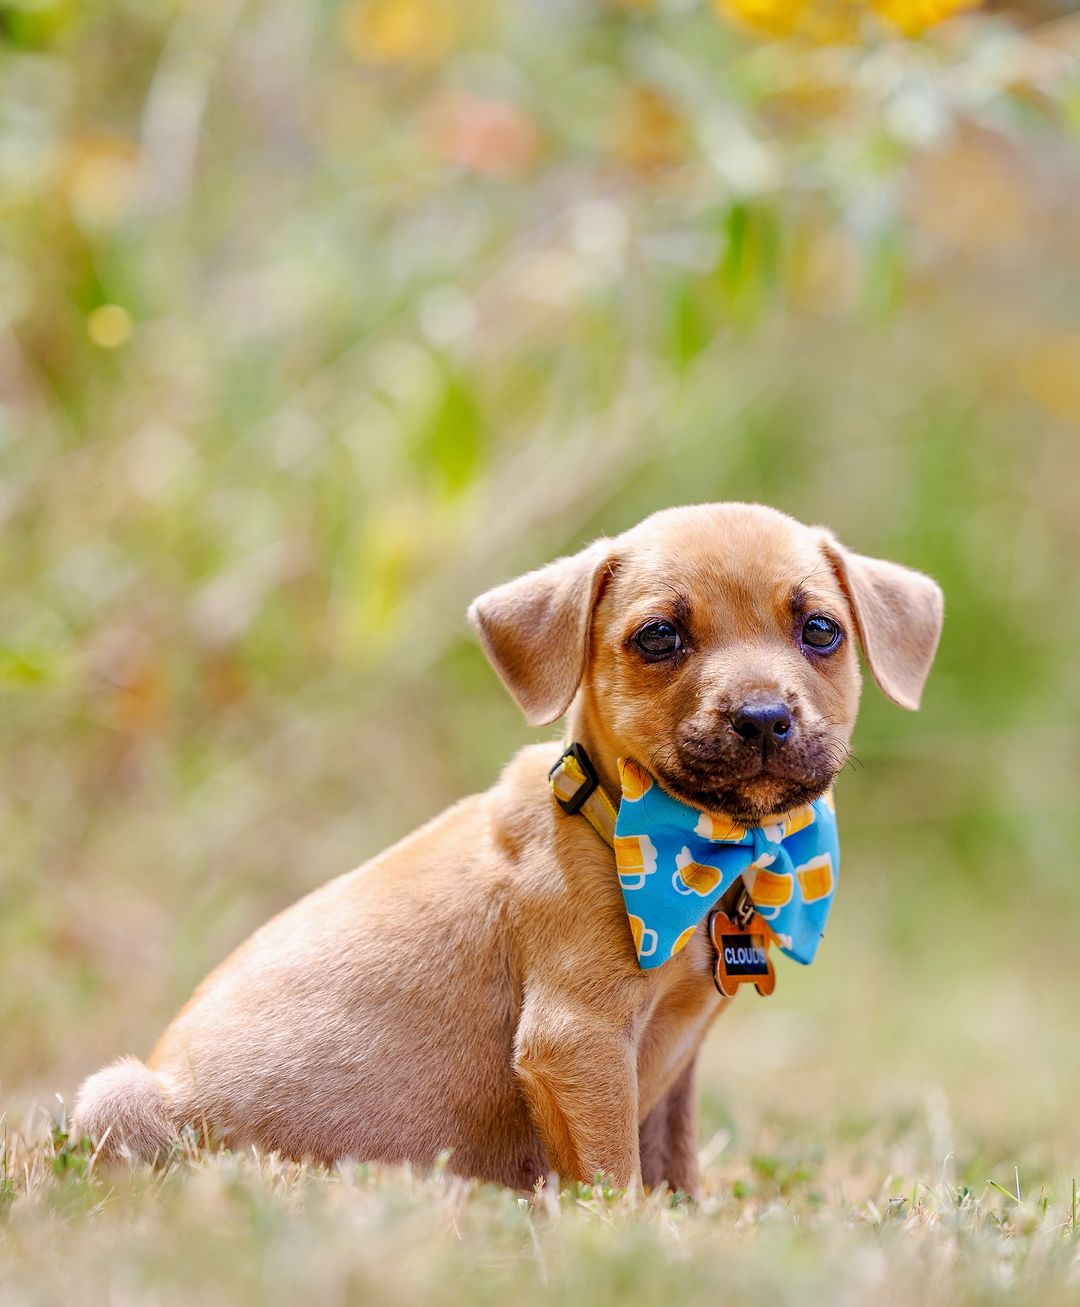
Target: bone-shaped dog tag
[{"x": 742, "y": 955}]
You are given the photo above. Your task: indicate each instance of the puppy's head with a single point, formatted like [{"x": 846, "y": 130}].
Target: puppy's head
[{"x": 715, "y": 645}]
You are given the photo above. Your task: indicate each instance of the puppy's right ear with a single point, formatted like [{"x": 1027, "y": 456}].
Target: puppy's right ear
[
  {"x": 535, "y": 630},
  {"x": 898, "y": 613}
]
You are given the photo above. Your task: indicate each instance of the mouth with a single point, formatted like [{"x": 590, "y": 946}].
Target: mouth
[{"x": 765, "y": 787}]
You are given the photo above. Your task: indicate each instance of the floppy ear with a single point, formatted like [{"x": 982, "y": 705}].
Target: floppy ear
[
  {"x": 535, "y": 630},
  {"x": 898, "y": 613}
]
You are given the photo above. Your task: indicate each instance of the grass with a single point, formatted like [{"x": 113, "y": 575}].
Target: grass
[
  {"x": 878, "y": 1141},
  {"x": 816, "y": 1223},
  {"x": 860, "y": 1143}
]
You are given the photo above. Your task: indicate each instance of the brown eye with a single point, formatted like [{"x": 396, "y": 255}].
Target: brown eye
[
  {"x": 821, "y": 633},
  {"x": 657, "y": 640}
]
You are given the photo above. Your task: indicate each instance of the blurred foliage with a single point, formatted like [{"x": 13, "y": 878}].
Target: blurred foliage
[{"x": 317, "y": 318}]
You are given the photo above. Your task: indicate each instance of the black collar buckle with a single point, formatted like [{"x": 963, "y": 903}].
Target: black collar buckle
[{"x": 592, "y": 781}]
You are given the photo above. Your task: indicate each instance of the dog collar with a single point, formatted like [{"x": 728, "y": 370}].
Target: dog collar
[
  {"x": 577, "y": 789},
  {"x": 769, "y": 883}
]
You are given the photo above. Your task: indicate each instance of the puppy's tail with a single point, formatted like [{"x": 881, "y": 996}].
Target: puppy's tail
[{"x": 127, "y": 1111}]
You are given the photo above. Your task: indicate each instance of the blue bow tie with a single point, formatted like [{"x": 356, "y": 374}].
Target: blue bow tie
[{"x": 676, "y": 862}]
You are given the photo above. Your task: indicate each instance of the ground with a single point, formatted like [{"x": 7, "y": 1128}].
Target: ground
[{"x": 836, "y": 1215}]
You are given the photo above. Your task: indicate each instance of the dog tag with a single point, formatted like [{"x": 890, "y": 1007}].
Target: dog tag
[{"x": 742, "y": 955}]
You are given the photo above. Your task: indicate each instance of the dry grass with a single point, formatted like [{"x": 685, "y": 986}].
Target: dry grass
[{"x": 773, "y": 1229}]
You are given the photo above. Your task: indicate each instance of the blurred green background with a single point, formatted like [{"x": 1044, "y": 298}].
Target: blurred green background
[{"x": 318, "y": 318}]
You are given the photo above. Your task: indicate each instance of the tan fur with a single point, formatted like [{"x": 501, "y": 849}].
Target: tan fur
[
  {"x": 898, "y": 614},
  {"x": 475, "y": 988},
  {"x": 126, "y": 1107}
]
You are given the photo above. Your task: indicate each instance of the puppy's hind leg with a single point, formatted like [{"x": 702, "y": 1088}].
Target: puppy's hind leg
[
  {"x": 127, "y": 1110},
  {"x": 669, "y": 1137}
]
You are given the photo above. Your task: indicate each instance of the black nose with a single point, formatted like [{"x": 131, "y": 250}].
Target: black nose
[{"x": 757, "y": 722}]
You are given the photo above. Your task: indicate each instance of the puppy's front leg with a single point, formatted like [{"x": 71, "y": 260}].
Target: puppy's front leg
[{"x": 578, "y": 1072}]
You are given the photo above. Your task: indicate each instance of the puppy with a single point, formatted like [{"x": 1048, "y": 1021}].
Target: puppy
[{"x": 475, "y": 988}]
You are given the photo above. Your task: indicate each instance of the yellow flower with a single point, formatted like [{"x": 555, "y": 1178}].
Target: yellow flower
[
  {"x": 1048, "y": 370},
  {"x": 102, "y": 178},
  {"x": 399, "y": 33},
  {"x": 773, "y": 16},
  {"x": 914, "y": 16},
  {"x": 818, "y": 20},
  {"x": 109, "y": 326},
  {"x": 837, "y": 20}
]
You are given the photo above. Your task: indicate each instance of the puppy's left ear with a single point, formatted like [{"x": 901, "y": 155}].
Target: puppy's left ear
[
  {"x": 535, "y": 630},
  {"x": 898, "y": 613}
]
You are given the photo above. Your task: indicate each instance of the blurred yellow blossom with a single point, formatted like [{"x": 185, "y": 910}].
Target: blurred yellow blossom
[
  {"x": 914, "y": 16},
  {"x": 109, "y": 326},
  {"x": 1048, "y": 371},
  {"x": 399, "y": 33},
  {"x": 824, "y": 270},
  {"x": 837, "y": 20},
  {"x": 649, "y": 132},
  {"x": 102, "y": 178},
  {"x": 776, "y": 17}
]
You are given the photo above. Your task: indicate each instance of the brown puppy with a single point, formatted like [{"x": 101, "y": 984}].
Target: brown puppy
[{"x": 475, "y": 988}]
